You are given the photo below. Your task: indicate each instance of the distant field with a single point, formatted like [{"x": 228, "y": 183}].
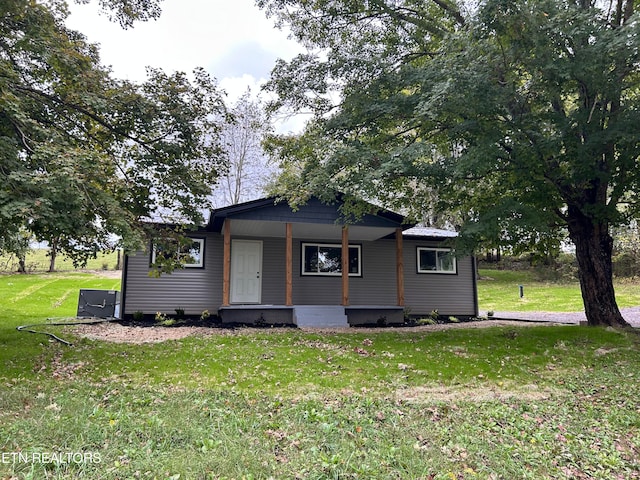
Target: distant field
[
  {"x": 499, "y": 290},
  {"x": 38, "y": 261}
]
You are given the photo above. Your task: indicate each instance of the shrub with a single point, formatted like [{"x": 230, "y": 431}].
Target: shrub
[
  {"x": 626, "y": 264},
  {"x": 426, "y": 321}
]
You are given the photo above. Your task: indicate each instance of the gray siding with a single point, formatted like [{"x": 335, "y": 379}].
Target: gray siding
[
  {"x": 378, "y": 283},
  {"x": 425, "y": 292},
  {"x": 308, "y": 290},
  {"x": 196, "y": 290},
  {"x": 192, "y": 289},
  {"x": 377, "y": 286}
]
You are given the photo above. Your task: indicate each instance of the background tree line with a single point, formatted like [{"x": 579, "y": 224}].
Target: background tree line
[{"x": 89, "y": 162}]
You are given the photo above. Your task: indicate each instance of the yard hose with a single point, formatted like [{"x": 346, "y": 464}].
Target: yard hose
[{"x": 28, "y": 328}]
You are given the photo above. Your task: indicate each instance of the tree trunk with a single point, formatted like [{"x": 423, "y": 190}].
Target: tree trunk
[
  {"x": 22, "y": 264},
  {"x": 53, "y": 253},
  {"x": 594, "y": 247}
]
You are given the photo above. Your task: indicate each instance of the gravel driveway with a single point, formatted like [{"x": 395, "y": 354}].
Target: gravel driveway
[{"x": 630, "y": 314}]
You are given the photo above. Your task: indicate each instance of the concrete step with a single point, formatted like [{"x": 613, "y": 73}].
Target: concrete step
[{"x": 320, "y": 316}]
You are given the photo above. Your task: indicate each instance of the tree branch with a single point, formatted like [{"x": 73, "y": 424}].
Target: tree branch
[
  {"x": 454, "y": 12},
  {"x": 23, "y": 136},
  {"x": 80, "y": 109}
]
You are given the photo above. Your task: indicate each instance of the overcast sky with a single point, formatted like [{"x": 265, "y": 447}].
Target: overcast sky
[{"x": 231, "y": 39}]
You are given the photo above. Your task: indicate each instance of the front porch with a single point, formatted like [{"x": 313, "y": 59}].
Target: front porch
[
  {"x": 313, "y": 316},
  {"x": 307, "y": 267},
  {"x": 243, "y": 271}
]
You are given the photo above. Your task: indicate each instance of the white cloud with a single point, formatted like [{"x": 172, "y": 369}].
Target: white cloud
[{"x": 231, "y": 39}]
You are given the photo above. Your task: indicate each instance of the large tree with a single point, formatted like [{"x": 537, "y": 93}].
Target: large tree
[
  {"x": 522, "y": 114},
  {"x": 84, "y": 155},
  {"x": 248, "y": 169}
]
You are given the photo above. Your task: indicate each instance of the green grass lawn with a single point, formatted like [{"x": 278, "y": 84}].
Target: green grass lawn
[
  {"x": 37, "y": 260},
  {"x": 495, "y": 403},
  {"x": 498, "y": 290}
]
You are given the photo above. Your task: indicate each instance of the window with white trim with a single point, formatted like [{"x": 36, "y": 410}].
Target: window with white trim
[
  {"x": 190, "y": 253},
  {"x": 436, "y": 260},
  {"x": 326, "y": 259}
]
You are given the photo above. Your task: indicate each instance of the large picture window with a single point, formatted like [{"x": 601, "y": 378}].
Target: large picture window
[
  {"x": 326, "y": 259},
  {"x": 436, "y": 260},
  {"x": 190, "y": 253}
]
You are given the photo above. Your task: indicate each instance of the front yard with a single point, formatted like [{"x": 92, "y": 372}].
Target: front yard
[{"x": 487, "y": 403}]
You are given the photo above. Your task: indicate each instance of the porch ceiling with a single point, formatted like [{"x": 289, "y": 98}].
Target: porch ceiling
[{"x": 306, "y": 231}]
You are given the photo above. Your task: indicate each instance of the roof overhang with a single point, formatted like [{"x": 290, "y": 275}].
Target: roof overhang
[
  {"x": 307, "y": 231},
  {"x": 312, "y": 221}
]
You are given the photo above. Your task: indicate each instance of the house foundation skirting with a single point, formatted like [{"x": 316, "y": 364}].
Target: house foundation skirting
[
  {"x": 375, "y": 315},
  {"x": 313, "y": 315}
]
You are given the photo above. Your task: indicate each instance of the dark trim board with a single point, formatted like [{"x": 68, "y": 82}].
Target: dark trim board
[
  {"x": 257, "y": 314},
  {"x": 123, "y": 284}
]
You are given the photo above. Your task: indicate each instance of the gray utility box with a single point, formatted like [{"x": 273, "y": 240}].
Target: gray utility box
[{"x": 99, "y": 303}]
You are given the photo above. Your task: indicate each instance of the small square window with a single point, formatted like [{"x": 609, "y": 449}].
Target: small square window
[{"x": 436, "y": 260}]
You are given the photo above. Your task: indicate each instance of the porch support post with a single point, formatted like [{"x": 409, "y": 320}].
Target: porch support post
[
  {"x": 288, "y": 287},
  {"x": 345, "y": 265},
  {"x": 399, "y": 268},
  {"x": 226, "y": 263}
]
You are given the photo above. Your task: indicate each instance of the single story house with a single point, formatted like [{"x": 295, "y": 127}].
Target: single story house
[{"x": 264, "y": 262}]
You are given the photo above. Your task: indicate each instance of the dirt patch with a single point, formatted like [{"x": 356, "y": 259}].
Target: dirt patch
[
  {"x": 427, "y": 328},
  {"x": 117, "y": 333},
  {"x": 474, "y": 393},
  {"x": 103, "y": 273}
]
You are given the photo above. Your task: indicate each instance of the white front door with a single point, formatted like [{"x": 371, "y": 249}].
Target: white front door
[{"x": 246, "y": 271}]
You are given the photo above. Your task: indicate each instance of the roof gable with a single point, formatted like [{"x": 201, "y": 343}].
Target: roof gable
[{"x": 313, "y": 212}]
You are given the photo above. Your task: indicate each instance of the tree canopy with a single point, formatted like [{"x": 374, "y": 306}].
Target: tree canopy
[
  {"x": 518, "y": 115},
  {"x": 85, "y": 156}
]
